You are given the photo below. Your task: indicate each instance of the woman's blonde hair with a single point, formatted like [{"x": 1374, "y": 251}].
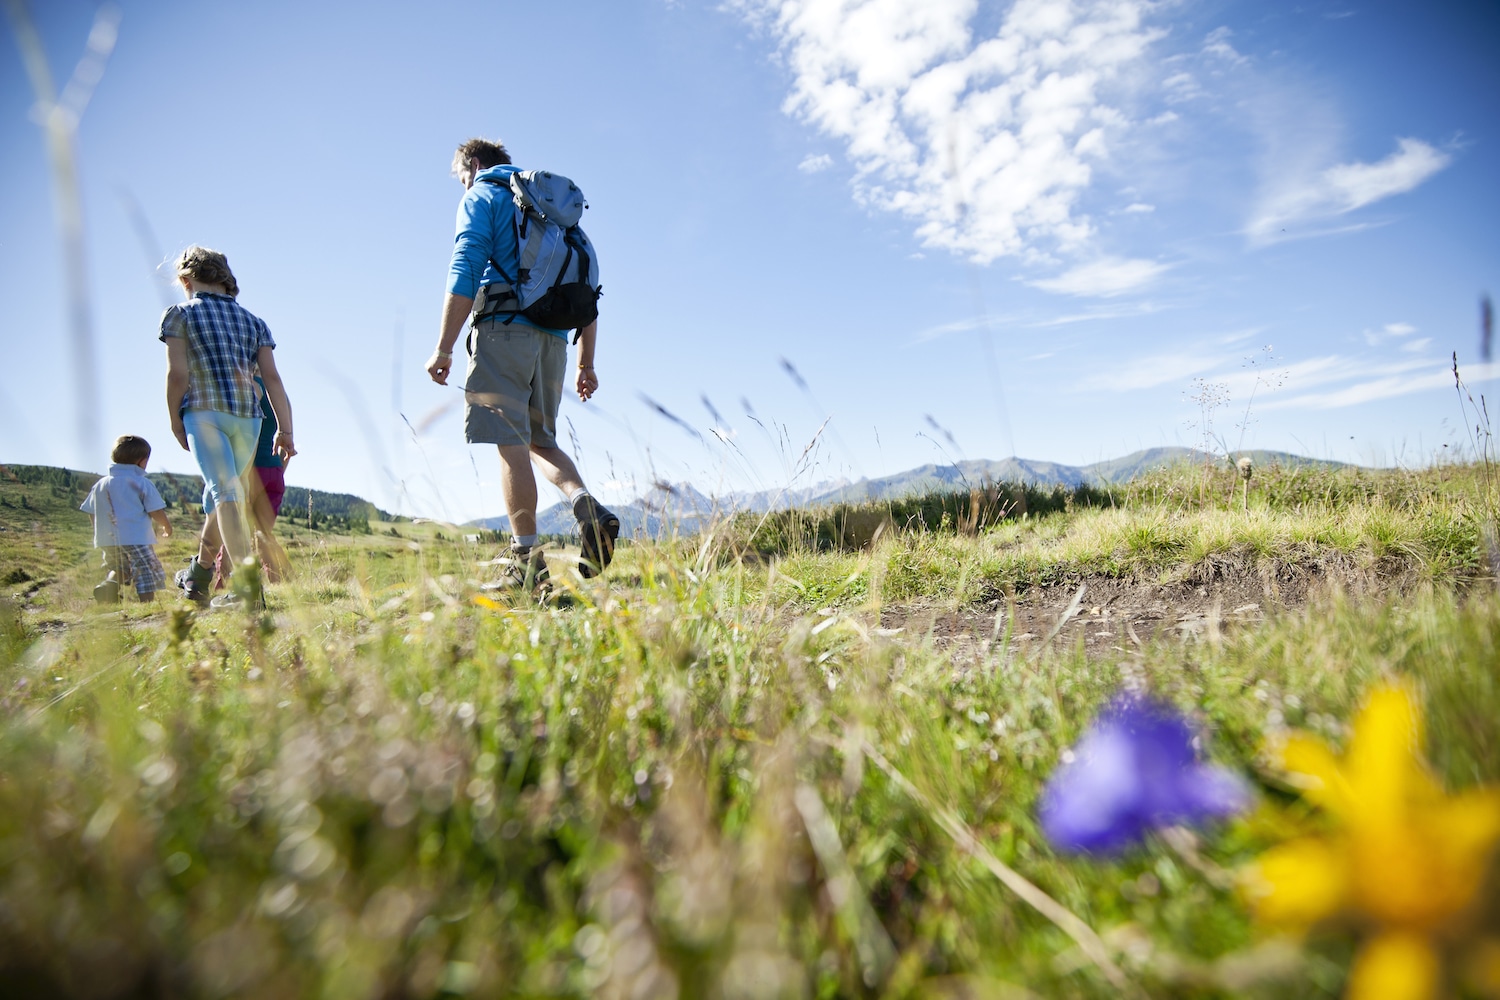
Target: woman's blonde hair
[{"x": 207, "y": 267}]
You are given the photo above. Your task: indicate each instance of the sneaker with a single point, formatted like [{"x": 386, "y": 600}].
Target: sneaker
[
  {"x": 599, "y": 528},
  {"x": 194, "y": 582},
  {"x": 524, "y": 569}
]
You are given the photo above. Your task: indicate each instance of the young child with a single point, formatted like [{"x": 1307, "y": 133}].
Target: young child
[
  {"x": 123, "y": 505},
  {"x": 215, "y": 348}
]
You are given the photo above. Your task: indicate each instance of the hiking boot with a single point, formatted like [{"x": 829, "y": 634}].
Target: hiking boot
[
  {"x": 523, "y": 569},
  {"x": 598, "y": 528},
  {"x": 194, "y": 582}
]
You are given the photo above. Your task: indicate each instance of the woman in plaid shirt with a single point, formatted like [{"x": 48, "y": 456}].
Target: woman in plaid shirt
[{"x": 215, "y": 348}]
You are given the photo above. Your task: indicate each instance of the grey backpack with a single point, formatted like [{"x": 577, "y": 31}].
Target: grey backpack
[{"x": 557, "y": 280}]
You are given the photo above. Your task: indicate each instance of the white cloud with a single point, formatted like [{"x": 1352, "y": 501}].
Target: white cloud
[
  {"x": 987, "y": 144},
  {"x": 961, "y": 326},
  {"x": 1388, "y": 333},
  {"x": 1095, "y": 314},
  {"x": 815, "y": 163},
  {"x": 1330, "y": 370},
  {"x": 1180, "y": 88},
  {"x": 1358, "y": 184},
  {"x": 1371, "y": 378},
  {"x": 1429, "y": 375},
  {"x": 1217, "y": 45},
  {"x": 1138, "y": 208},
  {"x": 1300, "y": 195},
  {"x": 1148, "y": 373},
  {"x": 1104, "y": 278}
]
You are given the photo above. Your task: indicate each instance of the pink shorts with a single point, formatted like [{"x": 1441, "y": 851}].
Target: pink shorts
[{"x": 274, "y": 480}]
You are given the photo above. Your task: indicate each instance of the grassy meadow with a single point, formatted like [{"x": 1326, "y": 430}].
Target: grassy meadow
[{"x": 798, "y": 755}]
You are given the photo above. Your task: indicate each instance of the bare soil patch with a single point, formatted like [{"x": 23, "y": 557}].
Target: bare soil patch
[{"x": 1115, "y": 614}]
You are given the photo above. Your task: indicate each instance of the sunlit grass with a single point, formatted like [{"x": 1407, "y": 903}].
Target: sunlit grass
[{"x": 384, "y": 788}]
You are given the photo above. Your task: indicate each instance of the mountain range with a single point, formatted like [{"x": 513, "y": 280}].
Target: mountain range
[{"x": 682, "y": 507}]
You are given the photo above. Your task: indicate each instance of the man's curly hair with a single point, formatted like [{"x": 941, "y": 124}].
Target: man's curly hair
[{"x": 489, "y": 154}]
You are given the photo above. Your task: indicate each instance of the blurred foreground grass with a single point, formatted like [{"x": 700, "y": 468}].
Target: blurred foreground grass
[{"x": 713, "y": 776}]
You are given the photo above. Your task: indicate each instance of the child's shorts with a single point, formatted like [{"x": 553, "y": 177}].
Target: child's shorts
[
  {"x": 136, "y": 564},
  {"x": 274, "y": 480}
]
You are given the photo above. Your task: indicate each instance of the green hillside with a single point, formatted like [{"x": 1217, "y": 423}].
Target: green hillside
[{"x": 42, "y": 531}]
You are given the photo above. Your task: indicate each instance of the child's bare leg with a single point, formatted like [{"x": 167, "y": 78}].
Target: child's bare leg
[
  {"x": 147, "y": 597},
  {"x": 236, "y": 534},
  {"x": 209, "y": 542},
  {"x": 272, "y": 555}
]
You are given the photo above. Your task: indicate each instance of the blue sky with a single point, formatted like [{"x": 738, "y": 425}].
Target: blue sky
[{"x": 1029, "y": 226}]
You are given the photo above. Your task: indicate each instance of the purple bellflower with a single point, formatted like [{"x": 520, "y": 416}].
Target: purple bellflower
[{"x": 1134, "y": 771}]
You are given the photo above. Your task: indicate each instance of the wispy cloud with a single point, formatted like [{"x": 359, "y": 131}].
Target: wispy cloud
[
  {"x": 1357, "y": 184},
  {"x": 1217, "y": 45},
  {"x": 1356, "y": 378},
  {"x": 961, "y": 326},
  {"x": 1114, "y": 311},
  {"x": 988, "y": 143},
  {"x": 1299, "y": 196},
  {"x": 1388, "y": 333},
  {"x": 815, "y": 163},
  {"x": 1104, "y": 278},
  {"x": 1421, "y": 376},
  {"x": 1150, "y": 372}
]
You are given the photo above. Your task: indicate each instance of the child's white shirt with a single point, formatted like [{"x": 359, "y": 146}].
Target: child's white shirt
[{"x": 122, "y": 503}]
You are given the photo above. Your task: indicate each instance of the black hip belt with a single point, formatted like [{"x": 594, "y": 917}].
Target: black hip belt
[{"x": 496, "y": 300}]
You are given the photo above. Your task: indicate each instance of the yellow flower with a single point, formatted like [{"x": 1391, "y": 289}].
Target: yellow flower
[{"x": 1406, "y": 860}]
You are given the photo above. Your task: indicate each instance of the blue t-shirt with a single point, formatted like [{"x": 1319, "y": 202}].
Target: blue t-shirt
[{"x": 121, "y": 503}]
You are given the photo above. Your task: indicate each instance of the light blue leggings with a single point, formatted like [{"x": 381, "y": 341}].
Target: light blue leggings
[{"x": 224, "y": 446}]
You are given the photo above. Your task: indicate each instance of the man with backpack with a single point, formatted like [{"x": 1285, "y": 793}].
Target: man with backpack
[{"x": 527, "y": 274}]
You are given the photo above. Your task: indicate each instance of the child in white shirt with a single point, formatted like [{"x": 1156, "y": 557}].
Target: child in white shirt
[{"x": 124, "y": 507}]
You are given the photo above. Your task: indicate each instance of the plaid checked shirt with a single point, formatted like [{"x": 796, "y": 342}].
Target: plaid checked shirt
[{"x": 223, "y": 339}]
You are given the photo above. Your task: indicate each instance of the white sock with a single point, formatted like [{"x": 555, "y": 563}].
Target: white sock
[
  {"x": 523, "y": 541},
  {"x": 582, "y": 491}
]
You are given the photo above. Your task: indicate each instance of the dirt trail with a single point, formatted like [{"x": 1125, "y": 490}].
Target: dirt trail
[{"x": 1115, "y": 614}]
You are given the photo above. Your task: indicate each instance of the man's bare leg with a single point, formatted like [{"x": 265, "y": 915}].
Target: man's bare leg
[
  {"x": 518, "y": 484},
  {"x": 558, "y": 468},
  {"x": 518, "y": 481},
  {"x": 597, "y": 527}
]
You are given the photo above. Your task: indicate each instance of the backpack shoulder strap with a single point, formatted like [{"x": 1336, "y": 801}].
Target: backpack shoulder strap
[{"x": 509, "y": 280}]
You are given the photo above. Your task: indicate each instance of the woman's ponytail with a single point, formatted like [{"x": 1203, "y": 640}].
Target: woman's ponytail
[{"x": 207, "y": 267}]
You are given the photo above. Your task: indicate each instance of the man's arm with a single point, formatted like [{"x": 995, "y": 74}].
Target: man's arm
[
  {"x": 473, "y": 248},
  {"x": 280, "y": 404},
  {"x": 177, "y": 386},
  {"x": 456, "y": 309},
  {"x": 588, "y": 382}
]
